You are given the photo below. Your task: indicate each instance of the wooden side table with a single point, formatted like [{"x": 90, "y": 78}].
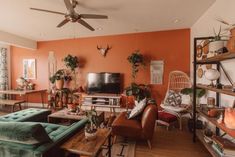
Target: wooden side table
[{"x": 78, "y": 145}]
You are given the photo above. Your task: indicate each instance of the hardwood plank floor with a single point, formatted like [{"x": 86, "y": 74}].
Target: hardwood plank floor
[{"x": 173, "y": 143}]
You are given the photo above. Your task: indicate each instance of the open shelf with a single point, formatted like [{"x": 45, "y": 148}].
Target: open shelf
[
  {"x": 218, "y": 58},
  {"x": 223, "y": 91},
  {"x": 208, "y": 146},
  {"x": 101, "y": 105},
  {"x": 222, "y": 126}
]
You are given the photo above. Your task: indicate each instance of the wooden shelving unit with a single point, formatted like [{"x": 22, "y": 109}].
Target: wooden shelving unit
[
  {"x": 222, "y": 91},
  {"x": 200, "y": 136},
  {"x": 212, "y": 60}
]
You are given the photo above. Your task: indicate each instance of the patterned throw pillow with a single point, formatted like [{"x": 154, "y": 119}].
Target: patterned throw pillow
[
  {"x": 173, "y": 99},
  {"x": 138, "y": 109}
]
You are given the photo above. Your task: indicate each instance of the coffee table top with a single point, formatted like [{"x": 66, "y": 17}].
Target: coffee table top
[
  {"x": 77, "y": 144},
  {"x": 65, "y": 114}
]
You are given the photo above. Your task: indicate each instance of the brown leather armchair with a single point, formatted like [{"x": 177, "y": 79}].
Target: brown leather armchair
[{"x": 136, "y": 129}]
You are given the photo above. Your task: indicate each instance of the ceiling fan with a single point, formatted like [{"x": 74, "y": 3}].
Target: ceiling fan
[{"x": 72, "y": 16}]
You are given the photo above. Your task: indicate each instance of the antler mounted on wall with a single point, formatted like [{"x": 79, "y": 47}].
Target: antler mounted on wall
[{"x": 104, "y": 51}]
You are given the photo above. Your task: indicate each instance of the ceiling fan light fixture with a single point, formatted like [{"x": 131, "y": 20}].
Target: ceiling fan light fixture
[{"x": 176, "y": 21}]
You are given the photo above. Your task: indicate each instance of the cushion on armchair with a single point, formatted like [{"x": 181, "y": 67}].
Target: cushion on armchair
[
  {"x": 138, "y": 109},
  {"x": 173, "y": 98},
  {"x": 23, "y": 132}
]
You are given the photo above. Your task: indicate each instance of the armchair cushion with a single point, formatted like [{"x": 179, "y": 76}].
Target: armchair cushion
[
  {"x": 25, "y": 133},
  {"x": 173, "y": 98}
]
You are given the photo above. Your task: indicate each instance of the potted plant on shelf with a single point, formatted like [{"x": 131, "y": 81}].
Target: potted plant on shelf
[
  {"x": 58, "y": 78},
  {"x": 92, "y": 125},
  {"x": 216, "y": 45},
  {"x": 199, "y": 93}
]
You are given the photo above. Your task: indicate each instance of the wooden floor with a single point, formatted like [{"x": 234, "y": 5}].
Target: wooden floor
[{"x": 173, "y": 143}]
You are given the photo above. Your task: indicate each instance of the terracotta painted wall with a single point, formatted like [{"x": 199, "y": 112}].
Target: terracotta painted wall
[{"x": 171, "y": 46}]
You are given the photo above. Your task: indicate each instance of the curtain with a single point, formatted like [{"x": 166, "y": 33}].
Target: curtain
[{"x": 3, "y": 71}]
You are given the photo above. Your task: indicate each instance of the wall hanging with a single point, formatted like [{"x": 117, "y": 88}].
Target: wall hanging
[
  {"x": 103, "y": 51},
  {"x": 29, "y": 68}
]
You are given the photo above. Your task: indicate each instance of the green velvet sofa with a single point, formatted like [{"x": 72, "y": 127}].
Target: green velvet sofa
[
  {"x": 58, "y": 134},
  {"x": 27, "y": 115}
]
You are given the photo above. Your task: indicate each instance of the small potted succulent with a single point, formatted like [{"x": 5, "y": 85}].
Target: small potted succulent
[{"x": 92, "y": 125}]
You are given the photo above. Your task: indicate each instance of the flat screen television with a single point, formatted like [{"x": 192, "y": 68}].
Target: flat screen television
[{"x": 104, "y": 82}]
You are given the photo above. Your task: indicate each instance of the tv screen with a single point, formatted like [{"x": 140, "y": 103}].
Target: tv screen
[{"x": 103, "y": 83}]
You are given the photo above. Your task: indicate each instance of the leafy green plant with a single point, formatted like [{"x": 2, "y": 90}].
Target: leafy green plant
[
  {"x": 93, "y": 121},
  {"x": 60, "y": 75},
  {"x": 71, "y": 62},
  {"x": 140, "y": 91},
  {"x": 136, "y": 59},
  {"x": 189, "y": 91}
]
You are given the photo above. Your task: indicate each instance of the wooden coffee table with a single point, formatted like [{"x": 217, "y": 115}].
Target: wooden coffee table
[
  {"x": 78, "y": 145},
  {"x": 64, "y": 114}
]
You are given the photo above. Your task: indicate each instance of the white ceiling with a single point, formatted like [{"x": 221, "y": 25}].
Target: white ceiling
[{"x": 125, "y": 16}]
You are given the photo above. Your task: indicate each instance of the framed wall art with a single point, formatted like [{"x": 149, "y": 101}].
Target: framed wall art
[
  {"x": 156, "y": 72},
  {"x": 29, "y": 68}
]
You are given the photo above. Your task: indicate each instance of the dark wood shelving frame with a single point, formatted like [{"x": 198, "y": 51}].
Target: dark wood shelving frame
[{"x": 212, "y": 60}]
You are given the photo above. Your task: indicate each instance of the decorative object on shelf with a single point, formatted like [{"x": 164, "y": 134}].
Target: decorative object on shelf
[
  {"x": 136, "y": 59},
  {"x": 208, "y": 66},
  {"x": 233, "y": 88},
  {"x": 199, "y": 93},
  {"x": 229, "y": 118},
  {"x": 205, "y": 47},
  {"x": 92, "y": 126},
  {"x": 230, "y": 28},
  {"x": 200, "y": 72},
  {"x": 211, "y": 102},
  {"x": 199, "y": 51},
  {"x": 212, "y": 75},
  {"x": 103, "y": 51},
  {"x": 208, "y": 135},
  {"x": 21, "y": 83},
  {"x": 29, "y": 68},
  {"x": 216, "y": 45}
]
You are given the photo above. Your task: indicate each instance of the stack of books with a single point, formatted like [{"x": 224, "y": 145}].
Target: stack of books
[{"x": 223, "y": 146}]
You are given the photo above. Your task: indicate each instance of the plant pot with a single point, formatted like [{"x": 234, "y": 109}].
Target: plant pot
[
  {"x": 59, "y": 84},
  {"x": 231, "y": 42},
  {"x": 72, "y": 107},
  {"x": 90, "y": 136},
  {"x": 214, "y": 46}
]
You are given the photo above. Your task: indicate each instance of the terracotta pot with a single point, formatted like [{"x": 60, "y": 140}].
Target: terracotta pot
[
  {"x": 229, "y": 118},
  {"x": 59, "y": 84},
  {"x": 231, "y": 42}
]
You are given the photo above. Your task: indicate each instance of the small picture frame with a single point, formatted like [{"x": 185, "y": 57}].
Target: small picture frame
[{"x": 29, "y": 68}]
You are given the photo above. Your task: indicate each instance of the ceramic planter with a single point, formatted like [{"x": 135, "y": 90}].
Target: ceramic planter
[
  {"x": 59, "y": 84},
  {"x": 214, "y": 46},
  {"x": 212, "y": 75},
  {"x": 90, "y": 136}
]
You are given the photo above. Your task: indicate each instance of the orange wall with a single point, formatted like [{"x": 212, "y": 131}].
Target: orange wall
[{"x": 171, "y": 46}]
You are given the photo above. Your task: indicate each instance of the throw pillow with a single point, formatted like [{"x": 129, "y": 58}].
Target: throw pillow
[
  {"x": 138, "y": 109},
  {"x": 23, "y": 132},
  {"x": 173, "y": 98}
]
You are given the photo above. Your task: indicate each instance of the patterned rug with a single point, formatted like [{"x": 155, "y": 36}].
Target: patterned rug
[{"x": 122, "y": 148}]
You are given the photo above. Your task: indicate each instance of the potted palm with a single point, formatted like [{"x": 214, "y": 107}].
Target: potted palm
[{"x": 92, "y": 125}]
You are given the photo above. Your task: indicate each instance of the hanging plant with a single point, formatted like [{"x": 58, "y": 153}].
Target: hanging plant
[
  {"x": 136, "y": 59},
  {"x": 71, "y": 62}
]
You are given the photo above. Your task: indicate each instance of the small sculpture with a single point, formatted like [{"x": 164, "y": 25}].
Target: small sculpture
[{"x": 103, "y": 51}]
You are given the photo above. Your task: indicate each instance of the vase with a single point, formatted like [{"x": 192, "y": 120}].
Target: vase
[
  {"x": 215, "y": 46},
  {"x": 59, "y": 84},
  {"x": 231, "y": 42}
]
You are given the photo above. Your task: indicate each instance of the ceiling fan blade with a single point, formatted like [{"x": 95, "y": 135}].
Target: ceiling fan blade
[
  {"x": 93, "y": 16},
  {"x": 69, "y": 6},
  {"x": 85, "y": 24},
  {"x": 49, "y": 11},
  {"x": 63, "y": 22}
]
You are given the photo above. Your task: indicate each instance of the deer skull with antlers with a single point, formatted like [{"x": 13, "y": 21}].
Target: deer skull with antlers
[{"x": 103, "y": 51}]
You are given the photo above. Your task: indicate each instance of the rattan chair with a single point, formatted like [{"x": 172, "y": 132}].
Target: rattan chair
[{"x": 178, "y": 80}]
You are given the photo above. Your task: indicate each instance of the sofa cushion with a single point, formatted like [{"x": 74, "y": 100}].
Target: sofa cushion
[
  {"x": 121, "y": 124},
  {"x": 23, "y": 132},
  {"x": 173, "y": 98},
  {"x": 30, "y": 114},
  {"x": 138, "y": 109}
]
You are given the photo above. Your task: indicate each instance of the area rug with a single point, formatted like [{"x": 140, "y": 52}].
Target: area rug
[{"x": 122, "y": 148}]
